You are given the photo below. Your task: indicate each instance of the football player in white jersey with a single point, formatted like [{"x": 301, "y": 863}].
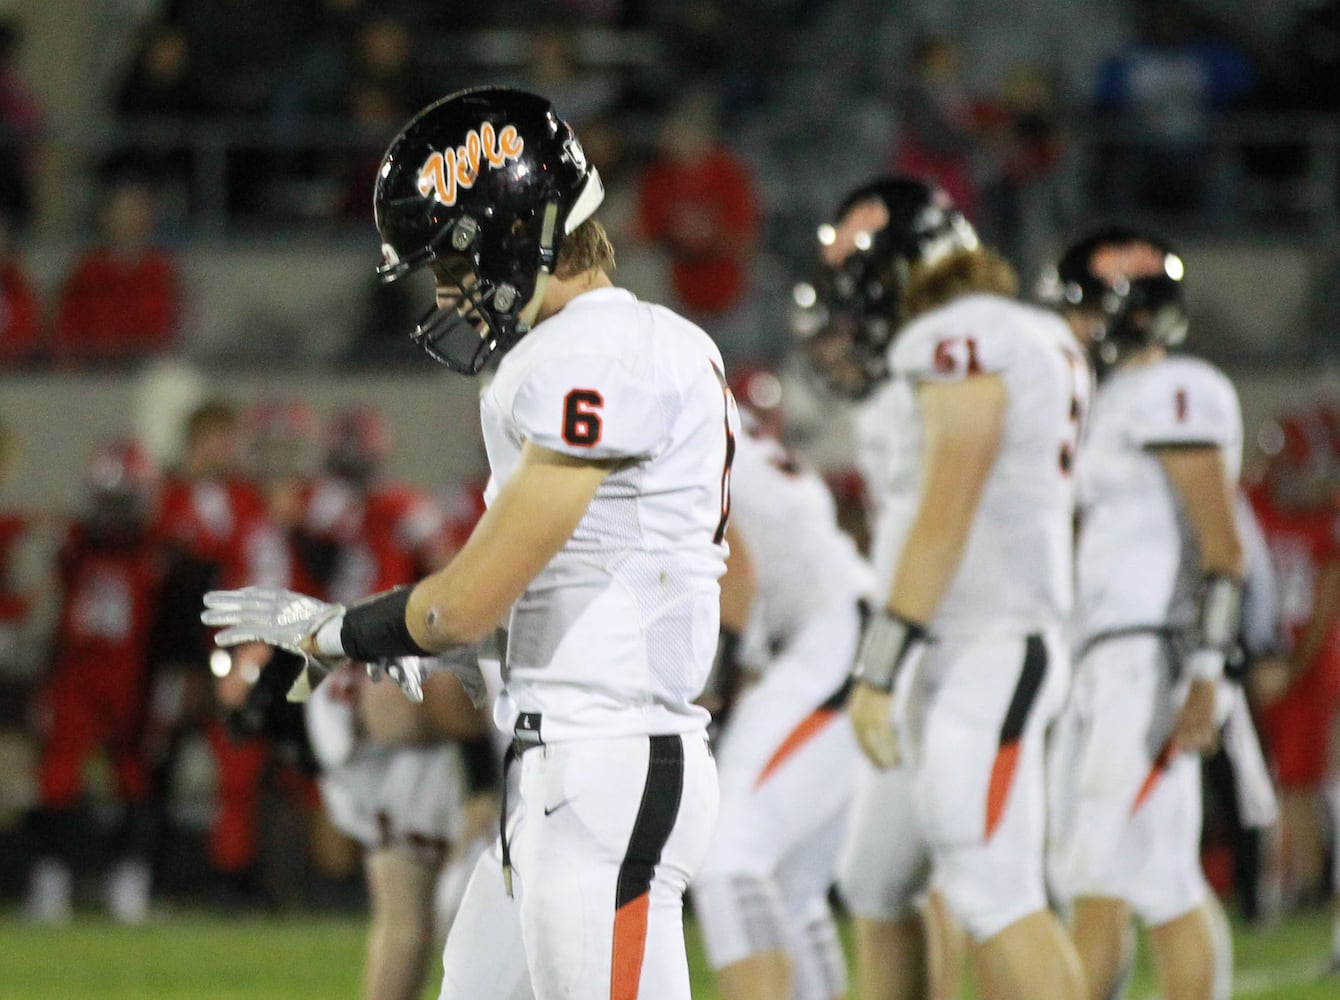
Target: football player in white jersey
[
  {"x": 609, "y": 430},
  {"x": 786, "y": 753},
  {"x": 1159, "y": 578},
  {"x": 974, "y": 405}
]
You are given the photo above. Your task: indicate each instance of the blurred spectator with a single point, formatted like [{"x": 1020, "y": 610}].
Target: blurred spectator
[
  {"x": 382, "y": 91},
  {"x": 937, "y": 137},
  {"x": 1316, "y": 43},
  {"x": 19, "y": 342},
  {"x": 161, "y": 82},
  {"x": 158, "y": 93},
  {"x": 19, "y": 121},
  {"x": 580, "y": 93},
  {"x": 384, "y": 58},
  {"x": 120, "y": 303},
  {"x": 697, "y": 200},
  {"x": 1166, "y": 87},
  {"x": 1299, "y": 73},
  {"x": 96, "y": 693},
  {"x": 315, "y": 83},
  {"x": 730, "y": 47},
  {"x": 239, "y": 49},
  {"x": 1026, "y": 202}
]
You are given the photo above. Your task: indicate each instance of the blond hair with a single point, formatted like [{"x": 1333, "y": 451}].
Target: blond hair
[
  {"x": 586, "y": 248},
  {"x": 963, "y": 272}
]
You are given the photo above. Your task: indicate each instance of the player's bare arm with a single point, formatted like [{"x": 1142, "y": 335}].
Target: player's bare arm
[
  {"x": 1200, "y": 479},
  {"x": 533, "y": 517},
  {"x": 963, "y": 423}
]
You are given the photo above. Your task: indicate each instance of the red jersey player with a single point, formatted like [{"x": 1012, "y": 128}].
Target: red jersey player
[
  {"x": 110, "y": 571},
  {"x": 1297, "y": 514}
]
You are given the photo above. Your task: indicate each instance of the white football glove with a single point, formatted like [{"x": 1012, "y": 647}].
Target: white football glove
[
  {"x": 411, "y": 671},
  {"x": 276, "y": 617}
]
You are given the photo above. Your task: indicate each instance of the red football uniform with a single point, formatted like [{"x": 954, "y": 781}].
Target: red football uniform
[
  {"x": 391, "y": 536},
  {"x": 97, "y": 692},
  {"x": 1296, "y": 728},
  {"x": 224, "y": 527}
]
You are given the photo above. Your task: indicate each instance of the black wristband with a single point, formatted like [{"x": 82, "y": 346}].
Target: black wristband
[
  {"x": 375, "y": 629},
  {"x": 482, "y": 769}
]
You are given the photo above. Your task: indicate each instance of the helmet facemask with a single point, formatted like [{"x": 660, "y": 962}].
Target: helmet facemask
[
  {"x": 493, "y": 307},
  {"x": 843, "y": 347}
]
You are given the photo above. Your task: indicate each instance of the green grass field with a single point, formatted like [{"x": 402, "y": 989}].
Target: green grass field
[{"x": 190, "y": 956}]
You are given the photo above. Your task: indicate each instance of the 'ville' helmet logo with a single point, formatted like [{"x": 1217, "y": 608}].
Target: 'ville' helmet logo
[{"x": 444, "y": 173}]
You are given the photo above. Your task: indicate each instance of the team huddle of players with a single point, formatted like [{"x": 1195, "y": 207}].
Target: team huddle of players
[{"x": 986, "y": 734}]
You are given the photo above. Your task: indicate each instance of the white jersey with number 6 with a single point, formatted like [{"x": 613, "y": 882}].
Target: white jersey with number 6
[
  {"x": 1014, "y": 577},
  {"x": 615, "y": 637}
]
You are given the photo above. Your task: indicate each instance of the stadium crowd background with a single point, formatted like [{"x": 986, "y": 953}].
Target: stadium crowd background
[{"x": 185, "y": 201}]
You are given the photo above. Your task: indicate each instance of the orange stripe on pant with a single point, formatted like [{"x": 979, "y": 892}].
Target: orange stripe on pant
[
  {"x": 998, "y": 789},
  {"x": 1152, "y": 778},
  {"x": 809, "y": 726},
  {"x": 630, "y": 944}
]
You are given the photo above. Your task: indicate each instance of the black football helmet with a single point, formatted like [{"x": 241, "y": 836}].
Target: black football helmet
[
  {"x": 1133, "y": 311},
  {"x": 483, "y": 185},
  {"x": 122, "y": 487},
  {"x": 849, "y": 313}
]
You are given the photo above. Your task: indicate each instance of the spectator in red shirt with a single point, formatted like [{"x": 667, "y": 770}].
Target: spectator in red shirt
[
  {"x": 18, "y": 307},
  {"x": 121, "y": 301},
  {"x": 697, "y": 200}
]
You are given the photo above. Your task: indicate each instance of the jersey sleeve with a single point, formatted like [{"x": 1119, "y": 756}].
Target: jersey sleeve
[
  {"x": 1187, "y": 408},
  {"x": 954, "y": 344},
  {"x": 589, "y": 407}
]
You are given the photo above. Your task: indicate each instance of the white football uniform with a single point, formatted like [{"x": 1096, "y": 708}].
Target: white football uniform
[
  {"x": 610, "y": 644},
  {"x": 409, "y": 798},
  {"x": 1126, "y": 815},
  {"x": 971, "y": 718},
  {"x": 787, "y": 752}
]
